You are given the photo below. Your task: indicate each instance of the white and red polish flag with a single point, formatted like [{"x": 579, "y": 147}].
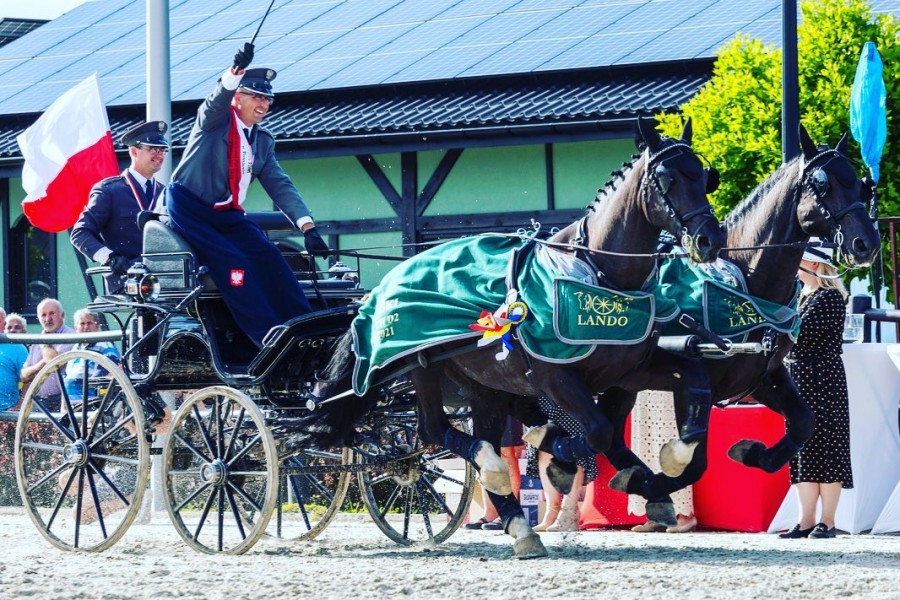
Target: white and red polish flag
[{"x": 67, "y": 150}]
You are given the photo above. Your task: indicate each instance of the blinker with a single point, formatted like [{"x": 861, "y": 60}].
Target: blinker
[{"x": 712, "y": 180}]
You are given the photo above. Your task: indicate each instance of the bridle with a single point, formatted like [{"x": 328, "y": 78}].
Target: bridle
[
  {"x": 658, "y": 176},
  {"x": 814, "y": 178}
]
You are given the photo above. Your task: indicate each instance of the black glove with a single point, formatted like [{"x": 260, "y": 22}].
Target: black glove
[
  {"x": 243, "y": 57},
  {"x": 314, "y": 243},
  {"x": 144, "y": 217},
  {"x": 118, "y": 264}
]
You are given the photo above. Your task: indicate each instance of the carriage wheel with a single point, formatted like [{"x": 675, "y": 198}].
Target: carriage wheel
[
  {"x": 220, "y": 471},
  {"x": 311, "y": 493},
  {"x": 413, "y": 492},
  {"x": 82, "y": 467}
]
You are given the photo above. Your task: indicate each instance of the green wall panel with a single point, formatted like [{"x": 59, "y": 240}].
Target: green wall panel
[
  {"x": 580, "y": 168},
  {"x": 493, "y": 180}
]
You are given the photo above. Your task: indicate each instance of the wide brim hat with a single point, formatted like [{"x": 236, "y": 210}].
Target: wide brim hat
[
  {"x": 151, "y": 133},
  {"x": 259, "y": 81},
  {"x": 819, "y": 254}
]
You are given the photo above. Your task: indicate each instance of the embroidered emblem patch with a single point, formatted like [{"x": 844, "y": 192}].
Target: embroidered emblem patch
[{"x": 237, "y": 277}]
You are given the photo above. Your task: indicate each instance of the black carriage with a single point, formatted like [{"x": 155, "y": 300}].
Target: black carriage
[{"x": 227, "y": 463}]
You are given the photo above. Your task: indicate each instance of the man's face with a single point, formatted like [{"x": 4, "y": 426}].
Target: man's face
[
  {"x": 51, "y": 316},
  {"x": 251, "y": 107},
  {"x": 86, "y": 323},
  {"x": 147, "y": 159}
]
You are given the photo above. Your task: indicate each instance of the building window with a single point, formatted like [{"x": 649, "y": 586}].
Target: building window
[{"x": 32, "y": 262}]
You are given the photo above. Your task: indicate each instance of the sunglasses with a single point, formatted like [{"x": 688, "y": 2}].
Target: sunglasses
[
  {"x": 259, "y": 97},
  {"x": 153, "y": 149}
]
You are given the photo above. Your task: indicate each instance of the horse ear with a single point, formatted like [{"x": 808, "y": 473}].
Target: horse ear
[
  {"x": 647, "y": 134},
  {"x": 806, "y": 143},
  {"x": 842, "y": 145},
  {"x": 688, "y": 132}
]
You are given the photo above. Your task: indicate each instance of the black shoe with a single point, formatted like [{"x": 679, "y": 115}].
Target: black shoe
[
  {"x": 476, "y": 524},
  {"x": 821, "y": 531},
  {"x": 496, "y": 524},
  {"x": 796, "y": 532}
]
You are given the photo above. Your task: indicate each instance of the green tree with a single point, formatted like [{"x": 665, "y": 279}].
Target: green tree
[{"x": 737, "y": 114}]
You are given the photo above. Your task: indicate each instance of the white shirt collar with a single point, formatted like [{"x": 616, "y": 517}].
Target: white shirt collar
[{"x": 140, "y": 179}]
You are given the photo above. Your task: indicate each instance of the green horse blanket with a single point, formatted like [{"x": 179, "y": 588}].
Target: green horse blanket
[
  {"x": 463, "y": 289},
  {"x": 716, "y": 296}
]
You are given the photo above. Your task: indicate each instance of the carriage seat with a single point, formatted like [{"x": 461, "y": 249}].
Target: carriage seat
[{"x": 168, "y": 256}]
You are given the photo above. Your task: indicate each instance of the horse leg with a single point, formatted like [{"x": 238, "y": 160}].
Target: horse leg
[
  {"x": 434, "y": 427},
  {"x": 634, "y": 476},
  {"x": 488, "y": 419},
  {"x": 779, "y": 393},
  {"x": 569, "y": 392},
  {"x": 689, "y": 382}
]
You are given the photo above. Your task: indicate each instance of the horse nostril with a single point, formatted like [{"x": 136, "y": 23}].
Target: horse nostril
[
  {"x": 860, "y": 247},
  {"x": 703, "y": 243}
]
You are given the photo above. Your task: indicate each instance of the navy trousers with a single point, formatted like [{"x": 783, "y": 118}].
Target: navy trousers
[{"x": 257, "y": 284}]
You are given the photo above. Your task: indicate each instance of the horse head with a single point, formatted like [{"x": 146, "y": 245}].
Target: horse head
[
  {"x": 829, "y": 204},
  {"x": 674, "y": 189}
]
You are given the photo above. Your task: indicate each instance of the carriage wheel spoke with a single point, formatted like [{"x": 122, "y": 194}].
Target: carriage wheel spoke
[
  {"x": 59, "y": 426},
  {"x": 234, "y": 435},
  {"x": 192, "y": 495},
  {"x": 236, "y": 512},
  {"x": 203, "y": 431},
  {"x": 256, "y": 440},
  {"x": 406, "y": 512},
  {"x": 107, "y": 481},
  {"x": 66, "y": 402},
  {"x": 114, "y": 430},
  {"x": 220, "y": 513},
  {"x": 205, "y": 512},
  {"x": 423, "y": 509},
  {"x": 437, "y": 496},
  {"x": 101, "y": 409},
  {"x": 78, "y": 506},
  {"x": 192, "y": 448},
  {"x": 96, "y": 499},
  {"x": 47, "y": 477},
  {"x": 60, "y": 499},
  {"x": 243, "y": 495}
]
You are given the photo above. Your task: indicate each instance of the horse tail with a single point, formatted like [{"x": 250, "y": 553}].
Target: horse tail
[{"x": 331, "y": 423}]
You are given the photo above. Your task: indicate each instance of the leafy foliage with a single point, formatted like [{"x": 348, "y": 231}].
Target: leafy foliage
[{"x": 737, "y": 114}]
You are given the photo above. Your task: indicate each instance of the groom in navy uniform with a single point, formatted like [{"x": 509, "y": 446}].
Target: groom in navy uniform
[
  {"x": 107, "y": 230},
  {"x": 225, "y": 152}
]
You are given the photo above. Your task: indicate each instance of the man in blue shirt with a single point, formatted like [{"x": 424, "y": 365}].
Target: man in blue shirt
[
  {"x": 107, "y": 230},
  {"x": 86, "y": 321},
  {"x": 12, "y": 358}
]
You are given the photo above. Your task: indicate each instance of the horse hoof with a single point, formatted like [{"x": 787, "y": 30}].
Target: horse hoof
[
  {"x": 630, "y": 480},
  {"x": 497, "y": 482},
  {"x": 675, "y": 456},
  {"x": 562, "y": 475},
  {"x": 746, "y": 452},
  {"x": 662, "y": 513},
  {"x": 535, "y": 435},
  {"x": 529, "y": 546}
]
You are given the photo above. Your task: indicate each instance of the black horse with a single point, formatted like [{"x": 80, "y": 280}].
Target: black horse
[
  {"x": 816, "y": 194},
  {"x": 663, "y": 187}
]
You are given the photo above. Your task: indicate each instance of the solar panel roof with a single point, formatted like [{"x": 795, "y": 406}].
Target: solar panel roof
[{"x": 318, "y": 45}]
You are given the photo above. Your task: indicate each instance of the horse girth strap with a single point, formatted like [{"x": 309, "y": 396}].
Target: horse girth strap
[{"x": 584, "y": 254}]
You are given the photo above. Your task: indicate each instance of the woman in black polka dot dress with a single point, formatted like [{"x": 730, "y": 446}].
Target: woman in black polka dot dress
[{"x": 822, "y": 468}]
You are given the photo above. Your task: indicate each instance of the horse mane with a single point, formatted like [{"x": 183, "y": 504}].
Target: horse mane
[
  {"x": 744, "y": 214},
  {"x": 610, "y": 186}
]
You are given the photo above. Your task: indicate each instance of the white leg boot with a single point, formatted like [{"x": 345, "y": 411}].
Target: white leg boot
[{"x": 567, "y": 519}]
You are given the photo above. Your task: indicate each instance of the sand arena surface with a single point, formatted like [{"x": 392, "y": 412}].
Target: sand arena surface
[{"x": 352, "y": 559}]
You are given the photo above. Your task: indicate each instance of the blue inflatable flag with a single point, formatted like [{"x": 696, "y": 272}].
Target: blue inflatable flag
[{"x": 868, "y": 109}]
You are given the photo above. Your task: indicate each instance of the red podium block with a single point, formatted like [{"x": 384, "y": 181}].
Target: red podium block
[
  {"x": 603, "y": 507},
  {"x": 729, "y": 495}
]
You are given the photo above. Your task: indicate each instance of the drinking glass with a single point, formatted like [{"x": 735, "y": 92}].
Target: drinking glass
[{"x": 853, "y": 328}]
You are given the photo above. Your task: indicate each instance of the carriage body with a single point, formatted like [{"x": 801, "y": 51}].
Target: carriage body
[{"x": 188, "y": 369}]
